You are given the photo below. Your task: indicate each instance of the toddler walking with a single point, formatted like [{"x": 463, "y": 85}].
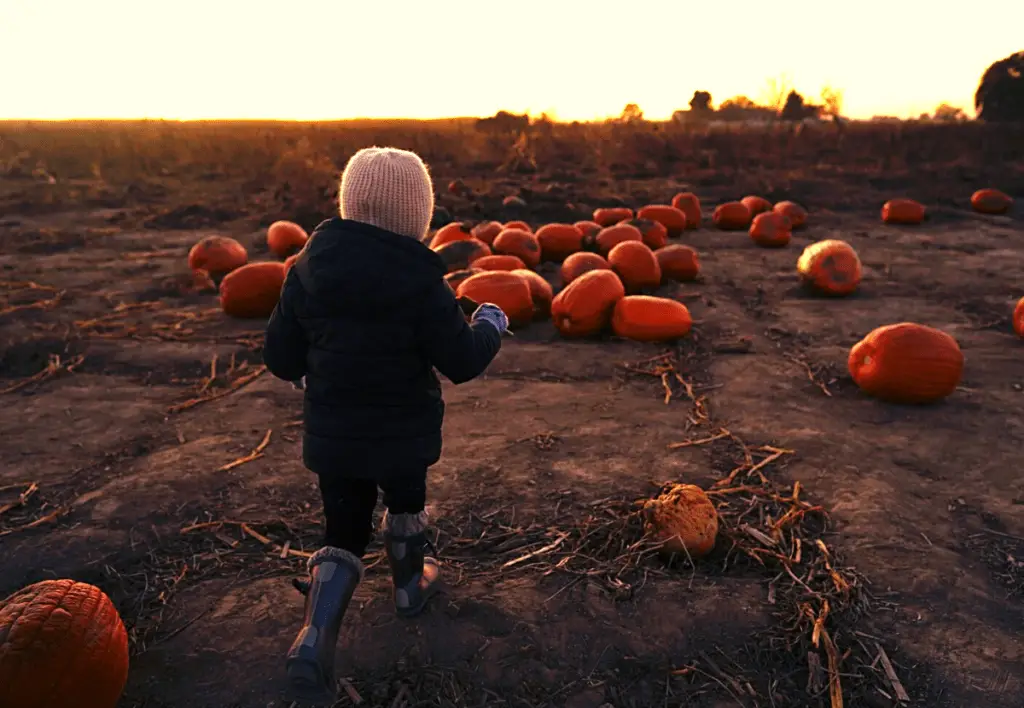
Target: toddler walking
[{"x": 365, "y": 317}]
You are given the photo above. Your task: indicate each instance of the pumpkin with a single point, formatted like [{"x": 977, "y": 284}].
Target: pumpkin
[
  {"x": 606, "y": 216},
  {"x": 499, "y": 262},
  {"x": 991, "y": 201},
  {"x": 513, "y": 202},
  {"x": 650, "y": 319},
  {"x": 290, "y": 261},
  {"x": 458, "y": 255},
  {"x": 519, "y": 243},
  {"x": 636, "y": 266},
  {"x": 830, "y": 267},
  {"x": 771, "y": 229},
  {"x": 584, "y": 307},
  {"x": 796, "y": 213},
  {"x": 902, "y": 211},
  {"x": 455, "y": 231},
  {"x": 731, "y": 216},
  {"x": 486, "y": 231},
  {"x": 62, "y": 643},
  {"x": 1018, "y": 318},
  {"x": 756, "y": 205},
  {"x": 653, "y": 233},
  {"x": 458, "y": 188},
  {"x": 253, "y": 290},
  {"x": 285, "y": 238},
  {"x": 611, "y": 236},
  {"x": 507, "y": 290},
  {"x": 540, "y": 290},
  {"x": 907, "y": 363},
  {"x": 588, "y": 228},
  {"x": 689, "y": 204},
  {"x": 455, "y": 278},
  {"x": 217, "y": 256},
  {"x": 673, "y": 219},
  {"x": 558, "y": 241},
  {"x": 683, "y": 519},
  {"x": 678, "y": 262},
  {"x": 579, "y": 263},
  {"x": 522, "y": 225}
]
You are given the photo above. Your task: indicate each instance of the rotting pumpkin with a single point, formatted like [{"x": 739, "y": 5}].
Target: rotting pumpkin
[
  {"x": 579, "y": 263},
  {"x": 487, "y": 231},
  {"x": 285, "y": 238},
  {"x": 653, "y": 233},
  {"x": 796, "y": 213},
  {"x": 505, "y": 289},
  {"x": 683, "y": 520},
  {"x": 636, "y": 265},
  {"x": 907, "y": 363},
  {"x": 645, "y": 318},
  {"x": 519, "y": 243},
  {"x": 540, "y": 290},
  {"x": 455, "y": 278},
  {"x": 771, "y": 229},
  {"x": 756, "y": 205},
  {"x": 678, "y": 262},
  {"x": 672, "y": 218},
  {"x": 584, "y": 307},
  {"x": 455, "y": 231},
  {"x": 252, "y": 291},
  {"x": 731, "y": 216},
  {"x": 607, "y": 216},
  {"x": 830, "y": 267},
  {"x": 217, "y": 256},
  {"x": 559, "y": 241},
  {"x": 459, "y": 255}
]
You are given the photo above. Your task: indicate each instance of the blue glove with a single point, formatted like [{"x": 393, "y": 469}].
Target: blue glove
[
  {"x": 492, "y": 315},
  {"x": 299, "y": 385}
]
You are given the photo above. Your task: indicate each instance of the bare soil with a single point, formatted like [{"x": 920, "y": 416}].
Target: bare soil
[{"x": 115, "y": 478}]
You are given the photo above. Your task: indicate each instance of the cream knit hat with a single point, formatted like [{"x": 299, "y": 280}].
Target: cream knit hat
[{"x": 390, "y": 189}]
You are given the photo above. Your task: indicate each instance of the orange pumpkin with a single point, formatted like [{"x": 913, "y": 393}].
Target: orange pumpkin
[
  {"x": 650, "y": 319},
  {"x": 1018, "y": 318},
  {"x": 584, "y": 307},
  {"x": 458, "y": 188},
  {"x": 830, "y": 267},
  {"x": 558, "y": 241},
  {"x": 521, "y": 225},
  {"x": 487, "y": 231},
  {"x": 731, "y": 216},
  {"x": 756, "y": 205},
  {"x": 285, "y": 238},
  {"x": 505, "y": 289},
  {"x": 636, "y": 266},
  {"x": 513, "y": 202},
  {"x": 673, "y": 219},
  {"x": 455, "y": 278},
  {"x": 689, "y": 204},
  {"x": 519, "y": 243},
  {"x": 606, "y": 216},
  {"x": 290, "y": 261},
  {"x": 579, "y": 263},
  {"x": 611, "y": 236},
  {"x": 217, "y": 256},
  {"x": 991, "y": 201},
  {"x": 771, "y": 229},
  {"x": 903, "y": 211},
  {"x": 252, "y": 291},
  {"x": 499, "y": 262},
  {"x": 683, "y": 520},
  {"x": 540, "y": 290},
  {"x": 588, "y": 228},
  {"x": 796, "y": 213},
  {"x": 62, "y": 643},
  {"x": 653, "y": 233},
  {"x": 458, "y": 255},
  {"x": 455, "y": 231},
  {"x": 678, "y": 262},
  {"x": 907, "y": 363}
]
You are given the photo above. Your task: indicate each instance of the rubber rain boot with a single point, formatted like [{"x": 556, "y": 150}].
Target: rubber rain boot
[
  {"x": 334, "y": 574},
  {"x": 415, "y": 575}
]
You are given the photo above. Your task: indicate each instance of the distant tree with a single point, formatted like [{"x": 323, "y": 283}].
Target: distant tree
[
  {"x": 948, "y": 113},
  {"x": 1000, "y": 95},
  {"x": 631, "y": 114},
  {"x": 504, "y": 122},
  {"x": 737, "y": 102},
  {"x": 701, "y": 102},
  {"x": 775, "y": 93},
  {"x": 831, "y": 101},
  {"x": 795, "y": 109}
]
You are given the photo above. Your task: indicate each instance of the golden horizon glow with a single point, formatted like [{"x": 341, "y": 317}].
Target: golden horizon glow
[{"x": 414, "y": 59}]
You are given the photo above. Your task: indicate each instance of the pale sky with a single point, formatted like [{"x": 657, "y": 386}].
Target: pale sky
[{"x": 579, "y": 60}]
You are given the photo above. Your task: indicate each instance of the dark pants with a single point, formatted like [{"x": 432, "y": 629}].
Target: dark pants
[{"x": 349, "y": 505}]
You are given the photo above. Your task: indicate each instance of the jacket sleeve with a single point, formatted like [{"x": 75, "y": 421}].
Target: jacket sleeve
[
  {"x": 460, "y": 351},
  {"x": 285, "y": 345}
]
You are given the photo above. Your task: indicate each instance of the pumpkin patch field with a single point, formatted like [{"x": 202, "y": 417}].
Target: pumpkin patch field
[{"x": 755, "y": 441}]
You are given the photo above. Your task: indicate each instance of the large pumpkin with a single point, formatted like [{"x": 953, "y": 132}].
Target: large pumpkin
[
  {"x": 505, "y": 289},
  {"x": 285, "y": 238},
  {"x": 683, "y": 520},
  {"x": 1018, "y": 318},
  {"x": 579, "y": 263},
  {"x": 498, "y": 262},
  {"x": 455, "y": 278},
  {"x": 636, "y": 266},
  {"x": 830, "y": 267},
  {"x": 903, "y": 211},
  {"x": 62, "y": 643},
  {"x": 907, "y": 363},
  {"x": 540, "y": 290},
  {"x": 607, "y": 216},
  {"x": 519, "y": 243},
  {"x": 588, "y": 228},
  {"x": 756, "y": 205},
  {"x": 487, "y": 231},
  {"x": 678, "y": 262},
  {"x": 458, "y": 255},
  {"x": 731, "y": 216},
  {"x": 991, "y": 201},
  {"x": 559, "y": 241},
  {"x": 517, "y": 224},
  {"x": 673, "y": 219},
  {"x": 252, "y": 291},
  {"x": 611, "y": 236},
  {"x": 584, "y": 307},
  {"x": 290, "y": 261},
  {"x": 650, "y": 319},
  {"x": 689, "y": 204},
  {"x": 455, "y": 231},
  {"x": 217, "y": 256},
  {"x": 770, "y": 229},
  {"x": 796, "y": 213},
  {"x": 653, "y": 233}
]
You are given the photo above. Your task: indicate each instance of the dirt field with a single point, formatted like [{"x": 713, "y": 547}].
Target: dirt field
[{"x": 121, "y": 457}]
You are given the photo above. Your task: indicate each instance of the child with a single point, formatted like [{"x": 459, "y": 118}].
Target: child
[{"x": 364, "y": 317}]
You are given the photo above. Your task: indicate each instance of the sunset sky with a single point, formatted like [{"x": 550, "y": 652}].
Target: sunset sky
[{"x": 330, "y": 59}]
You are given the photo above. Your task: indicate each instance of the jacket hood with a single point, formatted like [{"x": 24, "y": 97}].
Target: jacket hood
[{"x": 350, "y": 265}]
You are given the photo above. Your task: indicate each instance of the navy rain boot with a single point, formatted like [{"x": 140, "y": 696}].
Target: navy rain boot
[{"x": 415, "y": 575}]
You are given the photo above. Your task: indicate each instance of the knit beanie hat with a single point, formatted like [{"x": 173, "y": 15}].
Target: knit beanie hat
[{"x": 390, "y": 189}]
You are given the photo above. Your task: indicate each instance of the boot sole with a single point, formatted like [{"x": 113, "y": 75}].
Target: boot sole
[
  {"x": 410, "y": 612},
  {"x": 306, "y": 685}
]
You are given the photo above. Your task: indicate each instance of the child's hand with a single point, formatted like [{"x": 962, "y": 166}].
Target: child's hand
[{"x": 492, "y": 315}]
